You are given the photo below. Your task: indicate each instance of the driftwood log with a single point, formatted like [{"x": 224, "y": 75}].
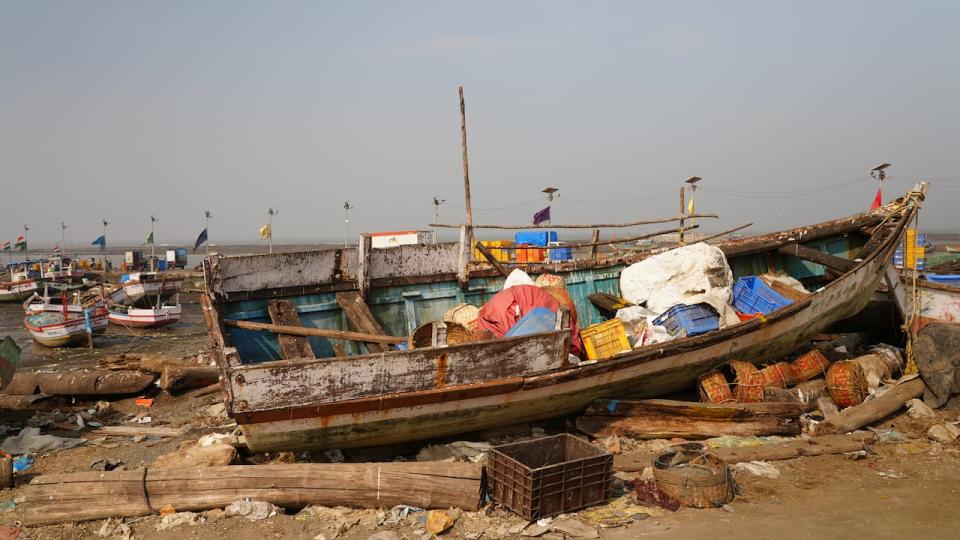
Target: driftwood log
[
  {"x": 816, "y": 446},
  {"x": 79, "y": 383},
  {"x": 151, "y": 363},
  {"x": 316, "y": 332},
  {"x": 56, "y": 498},
  {"x": 661, "y": 419},
  {"x": 180, "y": 378},
  {"x": 873, "y": 410}
]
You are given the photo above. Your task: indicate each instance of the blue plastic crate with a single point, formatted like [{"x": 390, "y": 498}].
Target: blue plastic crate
[
  {"x": 689, "y": 320},
  {"x": 946, "y": 279},
  {"x": 751, "y": 295},
  {"x": 535, "y": 238},
  {"x": 561, "y": 254}
]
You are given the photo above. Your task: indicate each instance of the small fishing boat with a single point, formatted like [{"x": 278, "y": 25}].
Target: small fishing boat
[
  {"x": 337, "y": 388},
  {"x": 23, "y": 283},
  {"x": 145, "y": 289},
  {"x": 154, "y": 317},
  {"x": 65, "y": 328}
]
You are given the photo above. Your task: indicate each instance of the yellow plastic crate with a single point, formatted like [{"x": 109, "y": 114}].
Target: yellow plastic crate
[
  {"x": 605, "y": 339},
  {"x": 501, "y": 255}
]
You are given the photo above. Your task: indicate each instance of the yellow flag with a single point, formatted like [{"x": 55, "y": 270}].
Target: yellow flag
[
  {"x": 265, "y": 232},
  {"x": 690, "y": 206}
]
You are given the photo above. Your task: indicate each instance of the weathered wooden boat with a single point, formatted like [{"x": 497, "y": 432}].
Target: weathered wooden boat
[
  {"x": 922, "y": 300},
  {"x": 326, "y": 392},
  {"x": 153, "y": 317},
  {"x": 65, "y": 328},
  {"x": 145, "y": 289},
  {"x": 22, "y": 283}
]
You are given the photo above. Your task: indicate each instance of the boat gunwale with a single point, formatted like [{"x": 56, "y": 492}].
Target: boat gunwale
[{"x": 622, "y": 361}]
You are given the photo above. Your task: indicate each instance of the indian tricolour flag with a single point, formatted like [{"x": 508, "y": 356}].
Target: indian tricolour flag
[
  {"x": 21, "y": 243},
  {"x": 5, "y": 246}
]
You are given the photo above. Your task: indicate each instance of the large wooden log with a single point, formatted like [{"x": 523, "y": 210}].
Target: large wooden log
[
  {"x": 871, "y": 411},
  {"x": 816, "y": 446},
  {"x": 56, "y": 498},
  {"x": 178, "y": 379},
  {"x": 79, "y": 383},
  {"x": 151, "y": 363},
  {"x": 318, "y": 332},
  {"x": 283, "y": 312},
  {"x": 660, "y": 418}
]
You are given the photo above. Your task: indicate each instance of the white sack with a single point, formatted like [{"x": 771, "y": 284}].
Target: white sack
[
  {"x": 686, "y": 275},
  {"x": 517, "y": 277}
]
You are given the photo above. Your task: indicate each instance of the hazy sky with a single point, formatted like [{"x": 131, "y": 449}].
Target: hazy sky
[{"x": 125, "y": 109}]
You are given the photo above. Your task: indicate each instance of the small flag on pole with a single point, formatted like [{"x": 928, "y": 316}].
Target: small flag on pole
[
  {"x": 541, "y": 216},
  {"x": 5, "y": 246},
  {"x": 200, "y": 240},
  {"x": 266, "y": 232},
  {"x": 149, "y": 241},
  {"x": 878, "y": 200},
  {"x": 101, "y": 241},
  {"x": 21, "y": 243},
  {"x": 56, "y": 249},
  {"x": 690, "y": 207}
]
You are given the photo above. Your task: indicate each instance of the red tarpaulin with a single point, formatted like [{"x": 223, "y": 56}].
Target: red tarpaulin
[{"x": 510, "y": 305}]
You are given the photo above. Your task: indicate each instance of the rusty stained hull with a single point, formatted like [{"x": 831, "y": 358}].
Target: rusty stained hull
[
  {"x": 646, "y": 372},
  {"x": 936, "y": 302}
]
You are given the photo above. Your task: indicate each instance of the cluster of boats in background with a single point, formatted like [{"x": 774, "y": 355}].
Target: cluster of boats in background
[{"x": 64, "y": 306}]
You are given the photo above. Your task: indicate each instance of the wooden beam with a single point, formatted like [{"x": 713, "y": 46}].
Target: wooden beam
[
  {"x": 726, "y": 232},
  {"x": 871, "y": 411},
  {"x": 363, "y": 264},
  {"x": 315, "y": 332},
  {"x": 608, "y": 302},
  {"x": 809, "y": 254},
  {"x": 663, "y": 419},
  {"x": 491, "y": 259},
  {"x": 767, "y": 242},
  {"x": 180, "y": 378},
  {"x": 283, "y": 312},
  {"x": 361, "y": 319},
  {"x": 594, "y": 239},
  {"x": 593, "y": 226},
  {"x": 607, "y": 242}
]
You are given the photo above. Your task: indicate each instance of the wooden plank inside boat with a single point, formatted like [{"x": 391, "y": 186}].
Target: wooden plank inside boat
[
  {"x": 361, "y": 319},
  {"x": 283, "y": 312}
]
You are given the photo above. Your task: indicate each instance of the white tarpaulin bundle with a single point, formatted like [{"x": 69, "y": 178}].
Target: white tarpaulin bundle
[{"x": 686, "y": 275}]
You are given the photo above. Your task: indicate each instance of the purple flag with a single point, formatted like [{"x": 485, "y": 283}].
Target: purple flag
[{"x": 541, "y": 216}]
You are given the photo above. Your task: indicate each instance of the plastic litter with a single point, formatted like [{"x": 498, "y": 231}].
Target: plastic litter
[
  {"x": 759, "y": 468},
  {"x": 30, "y": 441},
  {"x": 22, "y": 463},
  {"x": 252, "y": 509}
]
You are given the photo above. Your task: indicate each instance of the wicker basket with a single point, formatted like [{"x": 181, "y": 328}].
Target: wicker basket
[
  {"x": 423, "y": 335},
  {"x": 811, "y": 365},
  {"x": 463, "y": 314},
  {"x": 714, "y": 388},
  {"x": 550, "y": 280},
  {"x": 846, "y": 383},
  {"x": 694, "y": 477},
  {"x": 777, "y": 375},
  {"x": 747, "y": 381}
]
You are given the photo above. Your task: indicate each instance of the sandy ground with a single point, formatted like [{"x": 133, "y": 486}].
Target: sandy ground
[{"x": 817, "y": 497}]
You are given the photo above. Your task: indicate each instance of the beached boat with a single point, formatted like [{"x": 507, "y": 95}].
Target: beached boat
[
  {"x": 65, "y": 328},
  {"x": 361, "y": 394},
  {"x": 926, "y": 298},
  {"x": 144, "y": 317},
  {"x": 22, "y": 283},
  {"x": 145, "y": 289}
]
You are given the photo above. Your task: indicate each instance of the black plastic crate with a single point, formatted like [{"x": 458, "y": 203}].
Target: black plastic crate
[{"x": 549, "y": 476}]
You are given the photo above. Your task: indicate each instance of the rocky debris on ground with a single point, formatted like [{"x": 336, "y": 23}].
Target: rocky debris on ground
[
  {"x": 918, "y": 410},
  {"x": 196, "y": 454},
  {"x": 252, "y": 509},
  {"x": 758, "y": 468},
  {"x": 456, "y": 451},
  {"x": 177, "y": 519},
  {"x": 944, "y": 433}
]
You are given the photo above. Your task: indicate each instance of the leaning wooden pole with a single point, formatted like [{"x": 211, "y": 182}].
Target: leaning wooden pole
[{"x": 466, "y": 167}]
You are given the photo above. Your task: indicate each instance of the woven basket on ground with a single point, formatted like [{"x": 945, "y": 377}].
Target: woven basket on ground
[
  {"x": 748, "y": 382},
  {"x": 846, "y": 383},
  {"x": 714, "y": 388},
  {"x": 694, "y": 477},
  {"x": 810, "y": 365},
  {"x": 423, "y": 335}
]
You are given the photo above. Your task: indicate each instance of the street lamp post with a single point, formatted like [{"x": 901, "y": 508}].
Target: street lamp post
[
  {"x": 437, "y": 201},
  {"x": 153, "y": 243},
  {"x": 207, "y": 214},
  {"x": 63, "y": 238},
  {"x": 103, "y": 246},
  {"x": 270, "y": 213},
  {"x": 346, "y": 220}
]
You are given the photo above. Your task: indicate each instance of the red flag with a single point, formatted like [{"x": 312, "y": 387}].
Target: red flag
[{"x": 877, "y": 201}]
